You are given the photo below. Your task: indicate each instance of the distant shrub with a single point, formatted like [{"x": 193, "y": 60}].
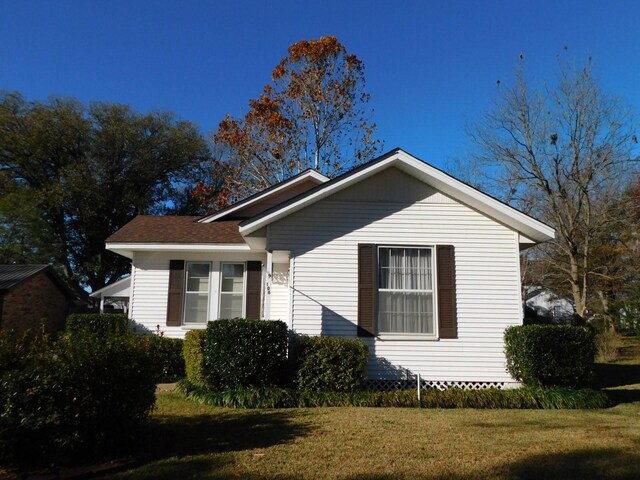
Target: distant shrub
[
  {"x": 102, "y": 324},
  {"x": 329, "y": 363},
  {"x": 165, "y": 355},
  {"x": 244, "y": 353},
  {"x": 607, "y": 345},
  {"x": 193, "y": 352},
  {"x": 550, "y": 355},
  {"x": 521, "y": 398},
  {"x": 77, "y": 398}
]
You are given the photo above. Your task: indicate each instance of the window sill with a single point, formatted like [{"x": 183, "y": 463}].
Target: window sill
[
  {"x": 194, "y": 326},
  {"x": 400, "y": 336}
]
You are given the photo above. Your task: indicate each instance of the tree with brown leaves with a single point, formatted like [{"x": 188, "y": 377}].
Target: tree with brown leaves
[{"x": 313, "y": 115}]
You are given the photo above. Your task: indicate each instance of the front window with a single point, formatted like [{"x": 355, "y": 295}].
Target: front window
[
  {"x": 232, "y": 290},
  {"x": 405, "y": 289},
  {"x": 196, "y": 308}
]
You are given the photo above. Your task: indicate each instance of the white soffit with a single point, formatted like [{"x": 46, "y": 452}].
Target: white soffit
[
  {"x": 501, "y": 212},
  {"x": 309, "y": 174},
  {"x": 127, "y": 249}
]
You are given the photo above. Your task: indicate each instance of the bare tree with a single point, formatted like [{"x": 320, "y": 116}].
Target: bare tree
[{"x": 563, "y": 154}]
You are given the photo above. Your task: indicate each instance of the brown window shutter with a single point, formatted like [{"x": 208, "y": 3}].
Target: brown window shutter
[
  {"x": 447, "y": 315},
  {"x": 254, "y": 290},
  {"x": 367, "y": 289},
  {"x": 176, "y": 293}
]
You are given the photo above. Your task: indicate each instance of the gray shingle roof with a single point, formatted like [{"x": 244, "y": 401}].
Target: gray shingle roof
[{"x": 11, "y": 275}]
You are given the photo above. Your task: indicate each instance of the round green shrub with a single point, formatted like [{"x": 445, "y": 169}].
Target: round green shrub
[
  {"x": 550, "y": 355},
  {"x": 329, "y": 364},
  {"x": 75, "y": 399},
  {"x": 244, "y": 353}
]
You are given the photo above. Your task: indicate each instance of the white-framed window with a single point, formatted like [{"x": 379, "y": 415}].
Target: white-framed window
[
  {"x": 196, "y": 304},
  {"x": 232, "y": 290},
  {"x": 406, "y": 290}
]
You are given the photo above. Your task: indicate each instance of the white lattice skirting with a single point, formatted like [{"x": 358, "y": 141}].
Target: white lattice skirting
[{"x": 380, "y": 385}]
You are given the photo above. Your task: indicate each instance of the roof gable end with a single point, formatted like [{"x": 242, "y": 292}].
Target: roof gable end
[
  {"x": 269, "y": 197},
  {"x": 421, "y": 170}
]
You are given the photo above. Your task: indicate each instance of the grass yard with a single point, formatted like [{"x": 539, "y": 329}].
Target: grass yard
[{"x": 195, "y": 441}]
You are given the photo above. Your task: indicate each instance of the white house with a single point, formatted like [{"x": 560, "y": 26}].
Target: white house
[
  {"x": 115, "y": 296},
  {"x": 422, "y": 267}
]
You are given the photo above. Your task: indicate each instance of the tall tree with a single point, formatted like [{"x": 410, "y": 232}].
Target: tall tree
[
  {"x": 313, "y": 115},
  {"x": 89, "y": 169},
  {"x": 562, "y": 153}
]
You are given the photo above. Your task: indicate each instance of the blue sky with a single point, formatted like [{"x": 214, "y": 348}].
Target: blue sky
[{"x": 431, "y": 66}]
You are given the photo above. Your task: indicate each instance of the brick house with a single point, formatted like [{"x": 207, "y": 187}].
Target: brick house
[{"x": 31, "y": 293}]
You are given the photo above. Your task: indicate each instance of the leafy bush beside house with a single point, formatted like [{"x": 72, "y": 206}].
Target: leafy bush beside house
[
  {"x": 243, "y": 353},
  {"x": 193, "y": 352},
  {"x": 102, "y": 324},
  {"x": 550, "y": 355},
  {"x": 329, "y": 363}
]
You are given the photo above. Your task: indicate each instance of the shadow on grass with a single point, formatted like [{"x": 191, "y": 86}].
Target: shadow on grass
[
  {"x": 186, "y": 447},
  {"x": 589, "y": 463},
  {"x": 615, "y": 378},
  {"x": 611, "y": 464}
]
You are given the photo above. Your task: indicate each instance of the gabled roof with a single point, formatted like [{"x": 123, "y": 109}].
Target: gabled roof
[
  {"x": 176, "y": 229},
  {"x": 13, "y": 275},
  {"x": 296, "y": 185},
  {"x": 119, "y": 288},
  {"x": 398, "y": 158}
]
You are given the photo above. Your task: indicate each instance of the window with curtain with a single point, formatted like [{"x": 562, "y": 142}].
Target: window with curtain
[
  {"x": 196, "y": 305},
  {"x": 232, "y": 290},
  {"x": 405, "y": 289}
]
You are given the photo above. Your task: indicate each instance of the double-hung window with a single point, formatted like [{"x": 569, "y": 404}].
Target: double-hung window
[
  {"x": 196, "y": 309},
  {"x": 406, "y": 290},
  {"x": 232, "y": 290}
]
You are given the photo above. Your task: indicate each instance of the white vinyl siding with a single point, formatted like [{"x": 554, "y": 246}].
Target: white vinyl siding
[{"x": 323, "y": 240}]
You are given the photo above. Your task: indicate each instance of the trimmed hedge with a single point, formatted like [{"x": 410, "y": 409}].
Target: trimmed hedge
[
  {"x": 244, "y": 353},
  {"x": 103, "y": 324},
  {"x": 550, "y": 355},
  {"x": 329, "y": 363},
  {"x": 75, "y": 399},
  {"x": 193, "y": 352},
  {"x": 165, "y": 355},
  {"x": 522, "y": 398}
]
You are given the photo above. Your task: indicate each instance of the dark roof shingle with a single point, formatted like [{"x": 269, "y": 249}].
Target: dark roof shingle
[
  {"x": 176, "y": 229},
  {"x": 11, "y": 275}
]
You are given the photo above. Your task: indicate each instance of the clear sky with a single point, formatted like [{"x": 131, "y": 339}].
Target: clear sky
[{"x": 431, "y": 66}]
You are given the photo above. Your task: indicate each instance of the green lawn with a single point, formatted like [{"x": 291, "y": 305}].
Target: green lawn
[{"x": 195, "y": 441}]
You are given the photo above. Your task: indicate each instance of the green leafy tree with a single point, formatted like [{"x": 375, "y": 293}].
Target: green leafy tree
[{"x": 89, "y": 169}]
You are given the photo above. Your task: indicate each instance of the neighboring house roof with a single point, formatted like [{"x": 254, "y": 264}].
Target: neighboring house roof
[
  {"x": 119, "y": 288},
  {"x": 288, "y": 188},
  {"x": 531, "y": 228},
  {"x": 176, "y": 229},
  {"x": 13, "y": 275}
]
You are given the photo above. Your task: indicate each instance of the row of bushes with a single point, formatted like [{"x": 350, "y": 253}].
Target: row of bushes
[
  {"x": 165, "y": 353},
  {"x": 244, "y": 353},
  {"x": 75, "y": 398},
  {"x": 521, "y": 398}
]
